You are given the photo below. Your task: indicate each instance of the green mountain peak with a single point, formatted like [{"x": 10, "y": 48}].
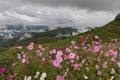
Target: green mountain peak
[{"x": 117, "y": 18}]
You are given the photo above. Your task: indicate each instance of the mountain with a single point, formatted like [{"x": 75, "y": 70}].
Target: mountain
[
  {"x": 117, "y": 18},
  {"x": 23, "y": 28},
  {"x": 50, "y": 36},
  {"x": 14, "y": 31},
  {"x": 23, "y": 37},
  {"x": 110, "y": 30}
]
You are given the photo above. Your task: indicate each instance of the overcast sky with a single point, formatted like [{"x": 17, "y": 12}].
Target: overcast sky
[{"x": 59, "y": 12}]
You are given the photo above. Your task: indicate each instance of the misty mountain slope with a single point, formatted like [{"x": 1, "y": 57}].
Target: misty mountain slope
[
  {"x": 106, "y": 32},
  {"x": 111, "y": 29},
  {"x": 14, "y": 31},
  {"x": 38, "y": 37}
]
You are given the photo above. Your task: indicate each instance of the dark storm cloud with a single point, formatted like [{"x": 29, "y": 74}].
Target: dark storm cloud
[
  {"x": 58, "y": 12},
  {"x": 95, "y": 5}
]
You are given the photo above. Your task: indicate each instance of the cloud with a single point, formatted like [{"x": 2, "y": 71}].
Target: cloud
[
  {"x": 59, "y": 12},
  {"x": 95, "y": 5}
]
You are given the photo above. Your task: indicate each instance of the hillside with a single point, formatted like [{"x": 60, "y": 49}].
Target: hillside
[
  {"x": 93, "y": 55},
  {"x": 106, "y": 32},
  {"x": 112, "y": 30}
]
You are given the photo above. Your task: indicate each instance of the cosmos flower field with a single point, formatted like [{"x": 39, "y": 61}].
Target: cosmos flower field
[{"x": 87, "y": 59}]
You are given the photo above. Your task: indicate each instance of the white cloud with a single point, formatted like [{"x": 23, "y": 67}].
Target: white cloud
[{"x": 14, "y": 14}]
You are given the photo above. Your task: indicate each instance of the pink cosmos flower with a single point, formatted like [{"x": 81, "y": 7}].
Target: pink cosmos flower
[
  {"x": 59, "y": 53},
  {"x": 113, "y": 59},
  {"x": 30, "y": 47},
  {"x": 31, "y": 43},
  {"x": 72, "y": 60},
  {"x": 72, "y": 55},
  {"x": 88, "y": 45},
  {"x": 37, "y": 51},
  {"x": 105, "y": 65},
  {"x": 96, "y": 48},
  {"x": 56, "y": 63},
  {"x": 99, "y": 73},
  {"x": 76, "y": 47},
  {"x": 2, "y": 70},
  {"x": 83, "y": 41},
  {"x": 97, "y": 42},
  {"x": 96, "y": 37},
  {"x": 65, "y": 74},
  {"x": 84, "y": 48},
  {"x": 98, "y": 59},
  {"x": 60, "y": 77},
  {"x": 118, "y": 64},
  {"x": 77, "y": 57},
  {"x": 24, "y": 60},
  {"x": 73, "y": 42},
  {"x": 50, "y": 52},
  {"x": 24, "y": 55},
  {"x": 40, "y": 46},
  {"x": 81, "y": 37},
  {"x": 71, "y": 46},
  {"x": 112, "y": 52},
  {"x": 53, "y": 51},
  {"x": 88, "y": 35},
  {"x": 19, "y": 56},
  {"x": 106, "y": 54},
  {"x": 10, "y": 78},
  {"x": 76, "y": 66},
  {"x": 101, "y": 52},
  {"x": 65, "y": 57},
  {"x": 67, "y": 49},
  {"x": 43, "y": 49},
  {"x": 59, "y": 59},
  {"x": 97, "y": 66},
  {"x": 83, "y": 44}
]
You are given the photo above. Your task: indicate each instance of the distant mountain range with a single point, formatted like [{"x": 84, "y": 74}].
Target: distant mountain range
[
  {"x": 13, "y": 34},
  {"x": 14, "y": 31}
]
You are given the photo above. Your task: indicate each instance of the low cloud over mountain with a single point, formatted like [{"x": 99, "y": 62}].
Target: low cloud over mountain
[{"x": 58, "y": 12}]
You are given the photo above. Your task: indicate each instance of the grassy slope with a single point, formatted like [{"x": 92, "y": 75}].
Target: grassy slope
[{"x": 112, "y": 29}]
